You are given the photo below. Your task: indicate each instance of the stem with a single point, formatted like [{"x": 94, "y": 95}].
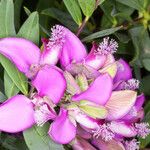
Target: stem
[
  {"x": 82, "y": 26},
  {"x": 31, "y": 91}
]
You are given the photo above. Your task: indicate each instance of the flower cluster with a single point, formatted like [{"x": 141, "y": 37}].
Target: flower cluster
[{"x": 90, "y": 101}]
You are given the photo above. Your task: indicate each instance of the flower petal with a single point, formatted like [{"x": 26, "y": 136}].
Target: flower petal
[
  {"x": 80, "y": 68},
  {"x": 110, "y": 145},
  {"x": 50, "y": 82},
  {"x": 123, "y": 129},
  {"x": 98, "y": 92},
  {"x": 139, "y": 102},
  {"x": 23, "y": 53},
  {"x": 73, "y": 49},
  {"x": 81, "y": 144},
  {"x": 124, "y": 71},
  {"x": 93, "y": 60},
  {"x": 62, "y": 129},
  {"x": 51, "y": 55},
  {"x": 120, "y": 104},
  {"x": 111, "y": 69},
  {"x": 16, "y": 114}
]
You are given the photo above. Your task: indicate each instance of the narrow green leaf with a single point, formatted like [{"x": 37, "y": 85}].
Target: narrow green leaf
[
  {"x": 17, "y": 6},
  {"x": 87, "y": 6},
  {"x": 136, "y": 4},
  {"x": 17, "y": 77},
  {"x": 7, "y": 27},
  {"x": 9, "y": 86},
  {"x": 37, "y": 138},
  {"x": 101, "y": 33},
  {"x": 74, "y": 10},
  {"x": 30, "y": 29},
  {"x": 2, "y": 97},
  {"x": 27, "y": 11}
]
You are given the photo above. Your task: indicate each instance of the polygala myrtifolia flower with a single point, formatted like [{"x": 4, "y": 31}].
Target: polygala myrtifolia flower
[{"x": 95, "y": 95}]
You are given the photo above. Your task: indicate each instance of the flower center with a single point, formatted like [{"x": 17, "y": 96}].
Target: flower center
[
  {"x": 104, "y": 131},
  {"x": 142, "y": 129},
  {"x": 107, "y": 47},
  {"x": 57, "y": 36},
  {"x": 34, "y": 68},
  {"x": 44, "y": 110},
  {"x": 131, "y": 84},
  {"x": 132, "y": 145}
]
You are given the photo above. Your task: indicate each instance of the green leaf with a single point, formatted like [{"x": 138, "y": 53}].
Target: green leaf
[
  {"x": 62, "y": 17},
  {"x": 87, "y": 6},
  {"x": 17, "y": 77},
  {"x": 37, "y": 138},
  {"x": 74, "y": 10},
  {"x": 146, "y": 141},
  {"x": 101, "y": 33},
  {"x": 100, "y": 2},
  {"x": 30, "y": 29},
  {"x": 141, "y": 42},
  {"x": 2, "y": 97},
  {"x": 17, "y": 6},
  {"x": 27, "y": 11},
  {"x": 7, "y": 27},
  {"x": 9, "y": 86},
  {"x": 136, "y": 4},
  {"x": 145, "y": 85},
  {"x": 146, "y": 63}
]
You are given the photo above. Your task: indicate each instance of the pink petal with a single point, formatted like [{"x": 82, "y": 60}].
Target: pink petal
[
  {"x": 93, "y": 60},
  {"x": 82, "y": 144},
  {"x": 124, "y": 71},
  {"x": 123, "y": 129},
  {"x": 16, "y": 114},
  {"x": 62, "y": 129},
  {"x": 23, "y": 53},
  {"x": 51, "y": 55},
  {"x": 139, "y": 102},
  {"x": 98, "y": 92},
  {"x": 110, "y": 145},
  {"x": 120, "y": 104},
  {"x": 50, "y": 82},
  {"x": 73, "y": 49},
  {"x": 136, "y": 111},
  {"x": 83, "y": 133}
]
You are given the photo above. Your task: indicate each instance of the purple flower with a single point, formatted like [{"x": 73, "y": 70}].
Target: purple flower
[{"x": 19, "y": 112}]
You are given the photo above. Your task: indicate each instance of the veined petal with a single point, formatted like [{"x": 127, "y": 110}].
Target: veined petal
[
  {"x": 124, "y": 71},
  {"x": 123, "y": 129},
  {"x": 62, "y": 129},
  {"x": 16, "y": 114},
  {"x": 73, "y": 49},
  {"x": 111, "y": 69},
  {"x": 98, "y": 92},
  {"x": 23, "y": 53},
  {"x": 94, "y": 60},
  {"x": 50, "y": 82},
  {"x": 50, "y": 55},
  {"x": 120, "y": 104},
  {"x": 110, "y": 59}
]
